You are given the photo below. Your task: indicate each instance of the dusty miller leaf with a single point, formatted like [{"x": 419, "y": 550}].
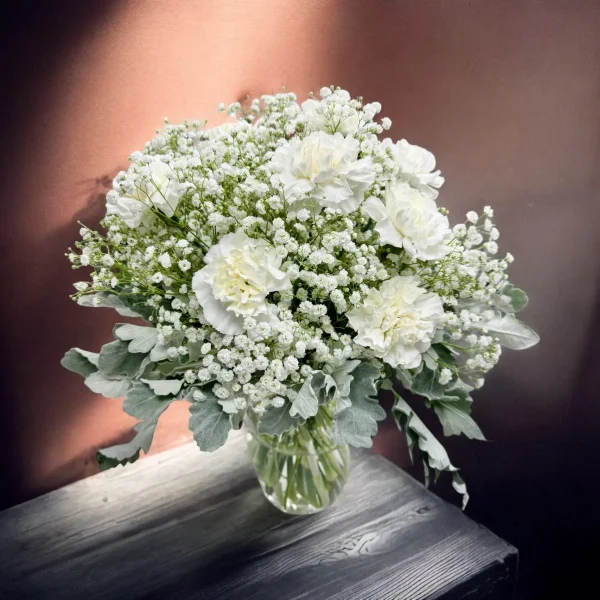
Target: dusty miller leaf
[
  {"x": 209, "y": 424},
  {"x": 164, "y": 387},
  {"x": 455, "y": 419},
  {"x": 130, "y": 451},
  {"x": 237, "y": 419},
  {"x": 107, "y": 301},
  {"x": 144, "y": 404},
  {"x": 109, "y": 388},
  {"x": 342, "y": 403},
  {"x": 143, "y": 339},
  {"x": 511, "y": 299},
  {"x": 159, "y": 352},
  {"x": 511, "y": 332},
  {"x": 433, "y": 454},
  {"x": 275, "y": 421},
  {"x": 111, "y": 357},
  {"x": 115, "y": 361},
  {"x": 426, "y": 384},
  {"x": 318, "y": 388},
  {"x": 188, "y": 394},
  {"x": 194, "y": 350},
  {"x": 228, "y": 406},
  {"x": 343, "y": 378},
  {"x": 357, "y": 424},
  {"x": 80, "y": 361}
]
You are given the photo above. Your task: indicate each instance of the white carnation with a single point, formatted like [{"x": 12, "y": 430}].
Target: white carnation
[
  {"x": 398, "y": 321},
  {"x": 416, "y": 166},
  {"x": 410, "y": 220},
  {"x": 324, "y": 167},
  {"x": 240, "y": 272}
]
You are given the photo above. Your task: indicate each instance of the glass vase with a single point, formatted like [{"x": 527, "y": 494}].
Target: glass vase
[{"x": 302, "y": 471}]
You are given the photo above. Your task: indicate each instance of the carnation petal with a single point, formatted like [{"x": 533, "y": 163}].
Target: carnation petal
[
  {"x": 214, "y": 310},
  {"x": 388, "y": 234},
  {"x": 375, "y": 208}
]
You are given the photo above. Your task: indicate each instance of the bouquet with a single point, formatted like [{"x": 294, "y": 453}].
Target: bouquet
[{"x": 286, "y": 266}]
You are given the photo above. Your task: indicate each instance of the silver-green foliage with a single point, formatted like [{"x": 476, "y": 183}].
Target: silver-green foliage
[{"x": 433, "y": 455}]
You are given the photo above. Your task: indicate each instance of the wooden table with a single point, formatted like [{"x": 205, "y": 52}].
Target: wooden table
[{"x": 184, "y": 525}]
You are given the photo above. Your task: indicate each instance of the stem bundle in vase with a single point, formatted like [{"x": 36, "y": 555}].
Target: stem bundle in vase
[{"x": 302, "y": 470}]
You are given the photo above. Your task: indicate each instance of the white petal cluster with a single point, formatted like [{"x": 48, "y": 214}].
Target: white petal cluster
[
  {"x": 415, "y": 166},
  {"x": 398, "y": 321},
  {"x": 324, "y": 167},
  {"x": 408, "y": 219},
  {"x": 239, "y": 274}
]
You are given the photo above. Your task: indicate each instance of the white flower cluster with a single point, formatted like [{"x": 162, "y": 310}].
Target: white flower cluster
[{"x": 292, "y": 240}]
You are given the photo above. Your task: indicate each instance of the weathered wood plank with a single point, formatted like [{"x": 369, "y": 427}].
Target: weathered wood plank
[{"x": 185, "y": 525}]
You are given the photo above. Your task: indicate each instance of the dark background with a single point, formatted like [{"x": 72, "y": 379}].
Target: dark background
[{"x": 506, "y": 94}]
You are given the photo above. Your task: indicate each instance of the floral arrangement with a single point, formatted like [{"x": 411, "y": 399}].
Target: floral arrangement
[{"x": 288, "y": 265}]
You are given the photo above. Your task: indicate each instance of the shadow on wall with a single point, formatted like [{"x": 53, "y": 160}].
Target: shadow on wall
[
  {"x": 43, "y": 349},
  {"x": 36, "y": 37}
]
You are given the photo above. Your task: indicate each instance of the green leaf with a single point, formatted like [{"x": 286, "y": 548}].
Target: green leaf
[
  {"x": 426, "y": 384},
  {"x": 209, "y": 424},
  {"x": 357, "y": 424},
  {"x": 386, "y": 384},
  {"x": 275, "y": 421},
  {"x": 445, "y": 353},
  {"x": 164, "y": 387},
  {"x": 166, "y": 368},
  {"x": 136, "y": 303},
  {"x": 80, "y": 361},
  {"x": 144, "y": 404},
  {"x": 106, "y": 300},
  {"x": 143, "y": 339},
  {"x": 511, "y": 332},
  {"x": 433, "y": 454},
  {"x": 455, "y": 419},
  {"x": 130, "y": 451},
  {"x": 109, "y": 388}
]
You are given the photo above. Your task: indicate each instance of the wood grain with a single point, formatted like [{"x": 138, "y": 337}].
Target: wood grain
[{"x": 184, "y": 525}]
